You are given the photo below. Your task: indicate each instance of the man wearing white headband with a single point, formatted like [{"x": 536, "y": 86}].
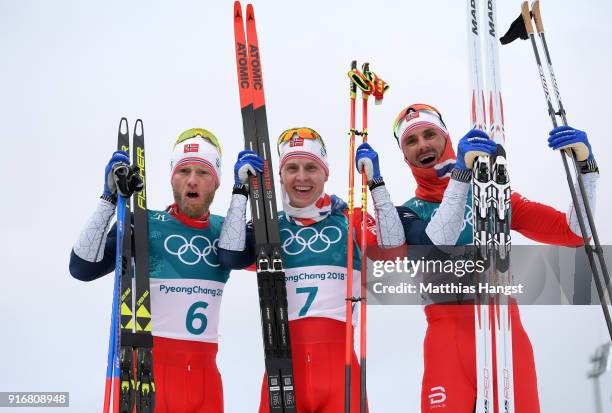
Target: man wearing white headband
[
  {"x": 449, "y": 343},
  {"x": 186, "y": 277},
  {"x": 304, "y": 169},
  {"x": 314, "y": 237},
  {"x": 195, "y": 172}
]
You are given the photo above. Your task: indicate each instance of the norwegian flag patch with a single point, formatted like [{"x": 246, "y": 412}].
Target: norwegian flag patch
[
  {"x": 296, "y": 141},
  {"x": 191, "y": 147},
  {"x": 412, "y": 115}
]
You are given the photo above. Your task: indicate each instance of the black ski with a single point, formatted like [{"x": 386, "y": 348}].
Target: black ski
[
  {"x": 143, "y": 340},
  {"x": 269, "y": 264},
  {"x": 137, "y": 388}
]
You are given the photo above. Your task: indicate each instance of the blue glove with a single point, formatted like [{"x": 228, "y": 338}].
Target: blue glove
[
  {"x": 248, "y": 161},
  {"x": 366, "y": 159},
  {"x": 566, "y": 137},
  {"x": 475, "y": 143},
  {"x": 119, "y": 159}
]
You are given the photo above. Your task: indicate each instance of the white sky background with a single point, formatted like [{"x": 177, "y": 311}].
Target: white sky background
[{"x": 71, "y": 69}]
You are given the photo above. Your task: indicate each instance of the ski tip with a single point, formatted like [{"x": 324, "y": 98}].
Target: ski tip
[
  {"x": 123, "y": 126},
  {"x": 138, "y": 128},
  {"x": 237, "y": 10},
  {"x": 250, "y": 14},
  {"x": 354, "y": 65}
]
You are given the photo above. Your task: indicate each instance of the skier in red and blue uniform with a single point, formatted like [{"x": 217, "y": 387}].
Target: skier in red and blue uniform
[
  {"x": 449, "y": 381},
  {"x": 186, "y": 277},
  {"x": 314, "y": 234}
]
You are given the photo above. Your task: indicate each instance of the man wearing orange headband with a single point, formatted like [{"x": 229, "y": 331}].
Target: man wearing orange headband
[
  {"x": 450, "y": 362},
  {"x": 314, "y": 238},
  {"x": 186, "y": 278}
]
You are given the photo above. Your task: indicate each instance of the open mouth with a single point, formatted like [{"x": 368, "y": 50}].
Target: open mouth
[
  {"x": 427, "y": 159},
  {"x": 192, "y": 195},
  {"x": 302, "y": 189}
]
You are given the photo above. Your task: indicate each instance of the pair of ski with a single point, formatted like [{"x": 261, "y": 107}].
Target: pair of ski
[
  {"x": 129, "y": 376},
  {"x": 268, "y": 259},
  {"x": 491, "y": 216},
  {"x": 522, "y": 28}
]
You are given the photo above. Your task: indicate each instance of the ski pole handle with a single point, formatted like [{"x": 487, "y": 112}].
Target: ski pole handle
[
  {"x": 527, "y": 17},
  {"x": 378, "y": 86},
  {"x": 537, "y": 17},
  {"x": 365, "y": 69},
  {"x": 358, "y": 79},
  {"x": 352, "y": 85}
]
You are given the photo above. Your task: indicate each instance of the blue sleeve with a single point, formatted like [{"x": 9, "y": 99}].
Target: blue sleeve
[
  {"x": 88, "y": 271},
  {"x": 237, "y": 260},
  {"x": 414, "y": 227}
]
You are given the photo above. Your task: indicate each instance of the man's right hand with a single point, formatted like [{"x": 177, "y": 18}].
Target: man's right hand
[
  {"x": 119, "y": 177},
  {"x": 247, "y": 162}
]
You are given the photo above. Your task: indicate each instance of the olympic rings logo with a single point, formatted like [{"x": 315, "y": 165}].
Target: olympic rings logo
[
  {"x": 467, "y": 219},
  {"x": 310, "y": 238},
  {"x": 191, "y": 252}
]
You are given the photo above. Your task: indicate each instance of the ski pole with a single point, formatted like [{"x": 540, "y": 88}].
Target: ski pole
[
  {"x": 537, "y": 16},
  {"x": 348, "y": 349},
  {"x": 369, "y": 84},
  {"x": 111, "y": 389},
  {"x": 590, "y": 250},
  {"x": 364, "y": 259},
  {"x": 126, "y": 353},
  {"x": 373, "y": 85}
]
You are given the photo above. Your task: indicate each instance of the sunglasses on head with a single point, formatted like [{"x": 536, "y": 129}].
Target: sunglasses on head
[
  {"x": 293, "y": 133},
  {"x": 417, "y": 107},
  {"x": 202, "y": 133}
]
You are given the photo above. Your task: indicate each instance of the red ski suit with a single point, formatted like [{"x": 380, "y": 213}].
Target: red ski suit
[{"x": 449, "y": 381}]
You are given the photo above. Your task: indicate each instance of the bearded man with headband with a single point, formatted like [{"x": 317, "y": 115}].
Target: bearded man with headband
[{"x": 184, "y": 355}]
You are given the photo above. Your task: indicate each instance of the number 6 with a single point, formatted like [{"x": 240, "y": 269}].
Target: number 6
[{"x": 192, "y": 316}]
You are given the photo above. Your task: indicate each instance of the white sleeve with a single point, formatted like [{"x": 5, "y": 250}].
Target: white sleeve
[
  {"x": 447, "y": 223},
  {"x": 90, "y": 244},
  {"x": 233, "y": 232},
  {"x": 590, "y": 187},
  {"x": 389, "y": 229}
]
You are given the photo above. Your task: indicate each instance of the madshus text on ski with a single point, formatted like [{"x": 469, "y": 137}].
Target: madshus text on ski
[{"x": 164, "y": 340}]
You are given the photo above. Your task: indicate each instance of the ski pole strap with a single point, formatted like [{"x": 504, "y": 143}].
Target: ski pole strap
[
  {"x": 358, "y": 133},
  {"x": 360, "y": 80},
  {"x": 127, "y": 180},
  {"x": 378, "y": 86},
  {"x": 369, "y": 83}
]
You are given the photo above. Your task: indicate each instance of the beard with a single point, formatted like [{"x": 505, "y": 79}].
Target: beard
[{"x": 194, "y": 210}]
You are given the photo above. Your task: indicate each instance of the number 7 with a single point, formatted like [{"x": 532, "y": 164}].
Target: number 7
[{"x": 312, "y": 292}]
